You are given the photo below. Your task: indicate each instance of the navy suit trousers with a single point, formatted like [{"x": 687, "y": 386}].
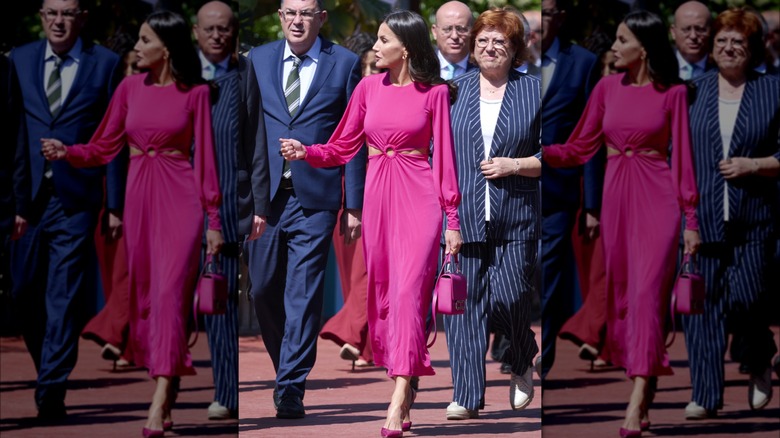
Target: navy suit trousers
[{"x": 287, "y": 274}]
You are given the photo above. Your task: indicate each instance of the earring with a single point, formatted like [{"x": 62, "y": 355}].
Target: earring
[{"x": 404, "y": 57}]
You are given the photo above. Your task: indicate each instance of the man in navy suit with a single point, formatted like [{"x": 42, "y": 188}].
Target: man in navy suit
[
  {"x": 569, "y": 73},
  {"x": 306, "y": 82},
  {"x": 451, "y": 32},
  {"x": 66, "y": 85},
  {"x": 691, "y": 33}
]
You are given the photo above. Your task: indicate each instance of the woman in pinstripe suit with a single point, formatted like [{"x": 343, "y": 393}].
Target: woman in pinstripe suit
[
  {"x": 495, "y": 125},
  {"x": 734, "y": 130}
]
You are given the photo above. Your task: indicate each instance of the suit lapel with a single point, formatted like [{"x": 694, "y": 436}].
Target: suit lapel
[
  {"x": 507, "y": 112},
  {"x": 562, "y": 67},
  {"x": 87, "y": 64},
  {"x": 325, "y": 65},
  {"x": 278, "y": 72},
  {"x": 38, "y": 68},
  {"x": 475, "y": 127},
  {"x": 736, "y": 148}
]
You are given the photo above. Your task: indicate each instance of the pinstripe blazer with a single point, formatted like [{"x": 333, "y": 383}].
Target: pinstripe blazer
[
  {"x": 514, "y": 200},
  {"x": 753, "y": 200}
]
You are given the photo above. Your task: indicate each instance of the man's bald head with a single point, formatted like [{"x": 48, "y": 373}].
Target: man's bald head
[
  {"x": 457, "y": 18},
  {"x": 216, "y": 31},
  {"x": 691, "y": 30}
]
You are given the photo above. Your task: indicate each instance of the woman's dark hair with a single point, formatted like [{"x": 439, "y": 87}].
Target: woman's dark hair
[
  {"x": 411, "y": 30},
  {"x": 360, "y": 43},
  {"x": 653, "y": 35},
  {"x": 174, "y": 33}
]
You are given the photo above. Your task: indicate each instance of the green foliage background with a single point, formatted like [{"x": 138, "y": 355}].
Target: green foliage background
[{"x": 259, "y": 21}]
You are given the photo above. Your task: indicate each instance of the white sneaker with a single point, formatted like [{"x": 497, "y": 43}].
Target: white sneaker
[
  {"x": 695, "y": 412},
  {"x": 218, "y": 412},
  {"x": 458, "y": 412},
  {"x": 760, "y": 389},
  {"x": 521, "y": 390}
]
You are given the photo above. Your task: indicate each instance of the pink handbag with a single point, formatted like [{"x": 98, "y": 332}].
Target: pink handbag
[
  {"x": 449, "y": 294},
  {"x": 688, "y": 293},
  {"x": 211, "y": 293}
]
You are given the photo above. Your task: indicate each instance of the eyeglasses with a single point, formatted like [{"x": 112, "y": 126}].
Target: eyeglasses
[
  {"x": 67, "y": 14},
  {"x": 735, "y": 43},
  {"x": 497, "y": 44},
  {"x": 221, "y": 30},
  {"x": 460, "y": 30},
  {"x": 306, "y": 15},
  {"x": 697, "y": 30}
]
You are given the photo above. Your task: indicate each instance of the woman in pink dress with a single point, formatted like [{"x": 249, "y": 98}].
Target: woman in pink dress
[
  {"x": 159, "y": 114},
  {"x": 397, "y": 114},
  {"x": 638, "y": 115}
]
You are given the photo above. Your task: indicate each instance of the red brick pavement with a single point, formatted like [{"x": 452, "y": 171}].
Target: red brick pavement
[
  {"x": 580, "y": 403},
  {"x": 102, "y": 403},
  {"x": 353, "y": 404}
]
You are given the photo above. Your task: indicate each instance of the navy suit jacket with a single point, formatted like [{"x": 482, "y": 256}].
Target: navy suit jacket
[
  {"x": 514, "y": 200},
  {"x": 753, "y": 200},
  {"x": 14, "y": 169},
  {"x": 576, "y": 73},
  {"x": 338, "y": 72},
  {"x": 98, "y": 74},
  {"x": 253, "y": 184}
]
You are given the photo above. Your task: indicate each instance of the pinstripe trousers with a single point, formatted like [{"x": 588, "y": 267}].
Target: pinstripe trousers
[
  {"x": 500, "y": 277},
  {"x": 736, "y": 302},
  {"x": 222, "y": 331}
]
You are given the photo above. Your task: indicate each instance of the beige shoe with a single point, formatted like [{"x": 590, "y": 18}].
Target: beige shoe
[
  {"x": 521, "y": 390},
  {"x": 458, "y": 412},
  {"x": 349, "y": 352},
  {"x": 695, "y": 412},
  {"x": 218, "y": 412},
  {"x": 760, "y": 389}
]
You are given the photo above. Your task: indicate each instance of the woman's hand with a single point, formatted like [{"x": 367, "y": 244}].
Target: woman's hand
[
  {"x": 214, "y": 241},
  {"x": 53, "y": 149},
  {"x": 292, "y": 149},
  {"x": 692, "y": 241},
  {"x": 498, "y": 167},
  {"x": 737, "y": 167},
  {"x": 453, "y": 240}
]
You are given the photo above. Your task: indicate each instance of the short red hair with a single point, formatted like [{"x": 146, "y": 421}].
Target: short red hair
[
  {"x": 745, "y": 22},
  {"x": 507, "y": 21}
]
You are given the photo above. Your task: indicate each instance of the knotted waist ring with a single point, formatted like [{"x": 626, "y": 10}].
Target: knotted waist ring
[
  {"x": 390, "y": 151},
  {"x": 630, "y": 151},
  {"x": 152, "y": 152}
]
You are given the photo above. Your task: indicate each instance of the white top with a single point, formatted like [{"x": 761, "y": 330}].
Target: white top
[
  {"x": 68, "y": 68},
  {"x": 727, "y": 118},
  {"x": 488, "y": 118},
  {"x": 307, "y": 68}
]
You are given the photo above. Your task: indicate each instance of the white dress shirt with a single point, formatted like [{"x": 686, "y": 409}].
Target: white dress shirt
[
  {"x": 307, "y": 68},
  {"x": 68, "y": 68}
]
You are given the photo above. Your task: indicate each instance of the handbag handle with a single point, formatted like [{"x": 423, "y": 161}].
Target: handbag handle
[
  {"x": 449, "y": 260},
  {"x": 212, "y": 260},
  {"x": 687, "y": 261}
]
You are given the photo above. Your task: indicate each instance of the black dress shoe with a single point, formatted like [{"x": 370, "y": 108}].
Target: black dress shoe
[
  {"x": 290, "y": 407},
  {"x": 506, "y": 368},
  {"x": 52, "y": 413},
  {"x": 744, "y": 368}
]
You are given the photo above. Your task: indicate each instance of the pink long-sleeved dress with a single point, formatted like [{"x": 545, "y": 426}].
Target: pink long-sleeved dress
[
  {"x": 164, "y": 204},
  {"x": 402, "y": 209},
  {"x": 640, "y": 217}
]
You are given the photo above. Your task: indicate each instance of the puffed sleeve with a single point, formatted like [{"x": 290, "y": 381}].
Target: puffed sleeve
[
  {"x": 585, "y": 140},
  {"x": 683, "y": 171},
  {"x": 109, "y": 138},
  {"x": 445, "y": 170},
  {"x": 347, "y": 139},
  {"x": 205, "y": 164}
]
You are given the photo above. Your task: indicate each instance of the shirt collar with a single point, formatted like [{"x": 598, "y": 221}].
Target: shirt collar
[
  {"x": 224, "y": 64},
  {"x": 463, "y": 63},
  {"x": 313, "y": 53},
  {"x": 702, "y": 64},
  {"x": 74, "y": 53}
]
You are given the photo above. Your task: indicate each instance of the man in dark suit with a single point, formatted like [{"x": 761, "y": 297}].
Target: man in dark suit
[
  {"x": 66, "y": 85},
  {"x": 691, "y": 33},
  {"x": 216, "y": 32},
  {"x": 306, "y": 82},
  {"x": 14, "y": 169},
  {"x": 569, "y": 73},
  {"x": 451, "y": 32}
]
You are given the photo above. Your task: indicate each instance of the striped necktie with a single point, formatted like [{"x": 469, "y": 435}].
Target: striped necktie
[
  {"x": 54, "y": 88},
  {"x": 292, "y": 92}
]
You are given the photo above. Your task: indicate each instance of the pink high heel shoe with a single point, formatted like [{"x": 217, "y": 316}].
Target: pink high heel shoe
[
  {"x": 150, "y": 433},
  {"x": 390, "y": 433}
]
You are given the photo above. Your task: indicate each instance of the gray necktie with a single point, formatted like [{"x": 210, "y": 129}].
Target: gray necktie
[
  {"x": 54, "y": 88},
  {"x": 292, "y": 93}
]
